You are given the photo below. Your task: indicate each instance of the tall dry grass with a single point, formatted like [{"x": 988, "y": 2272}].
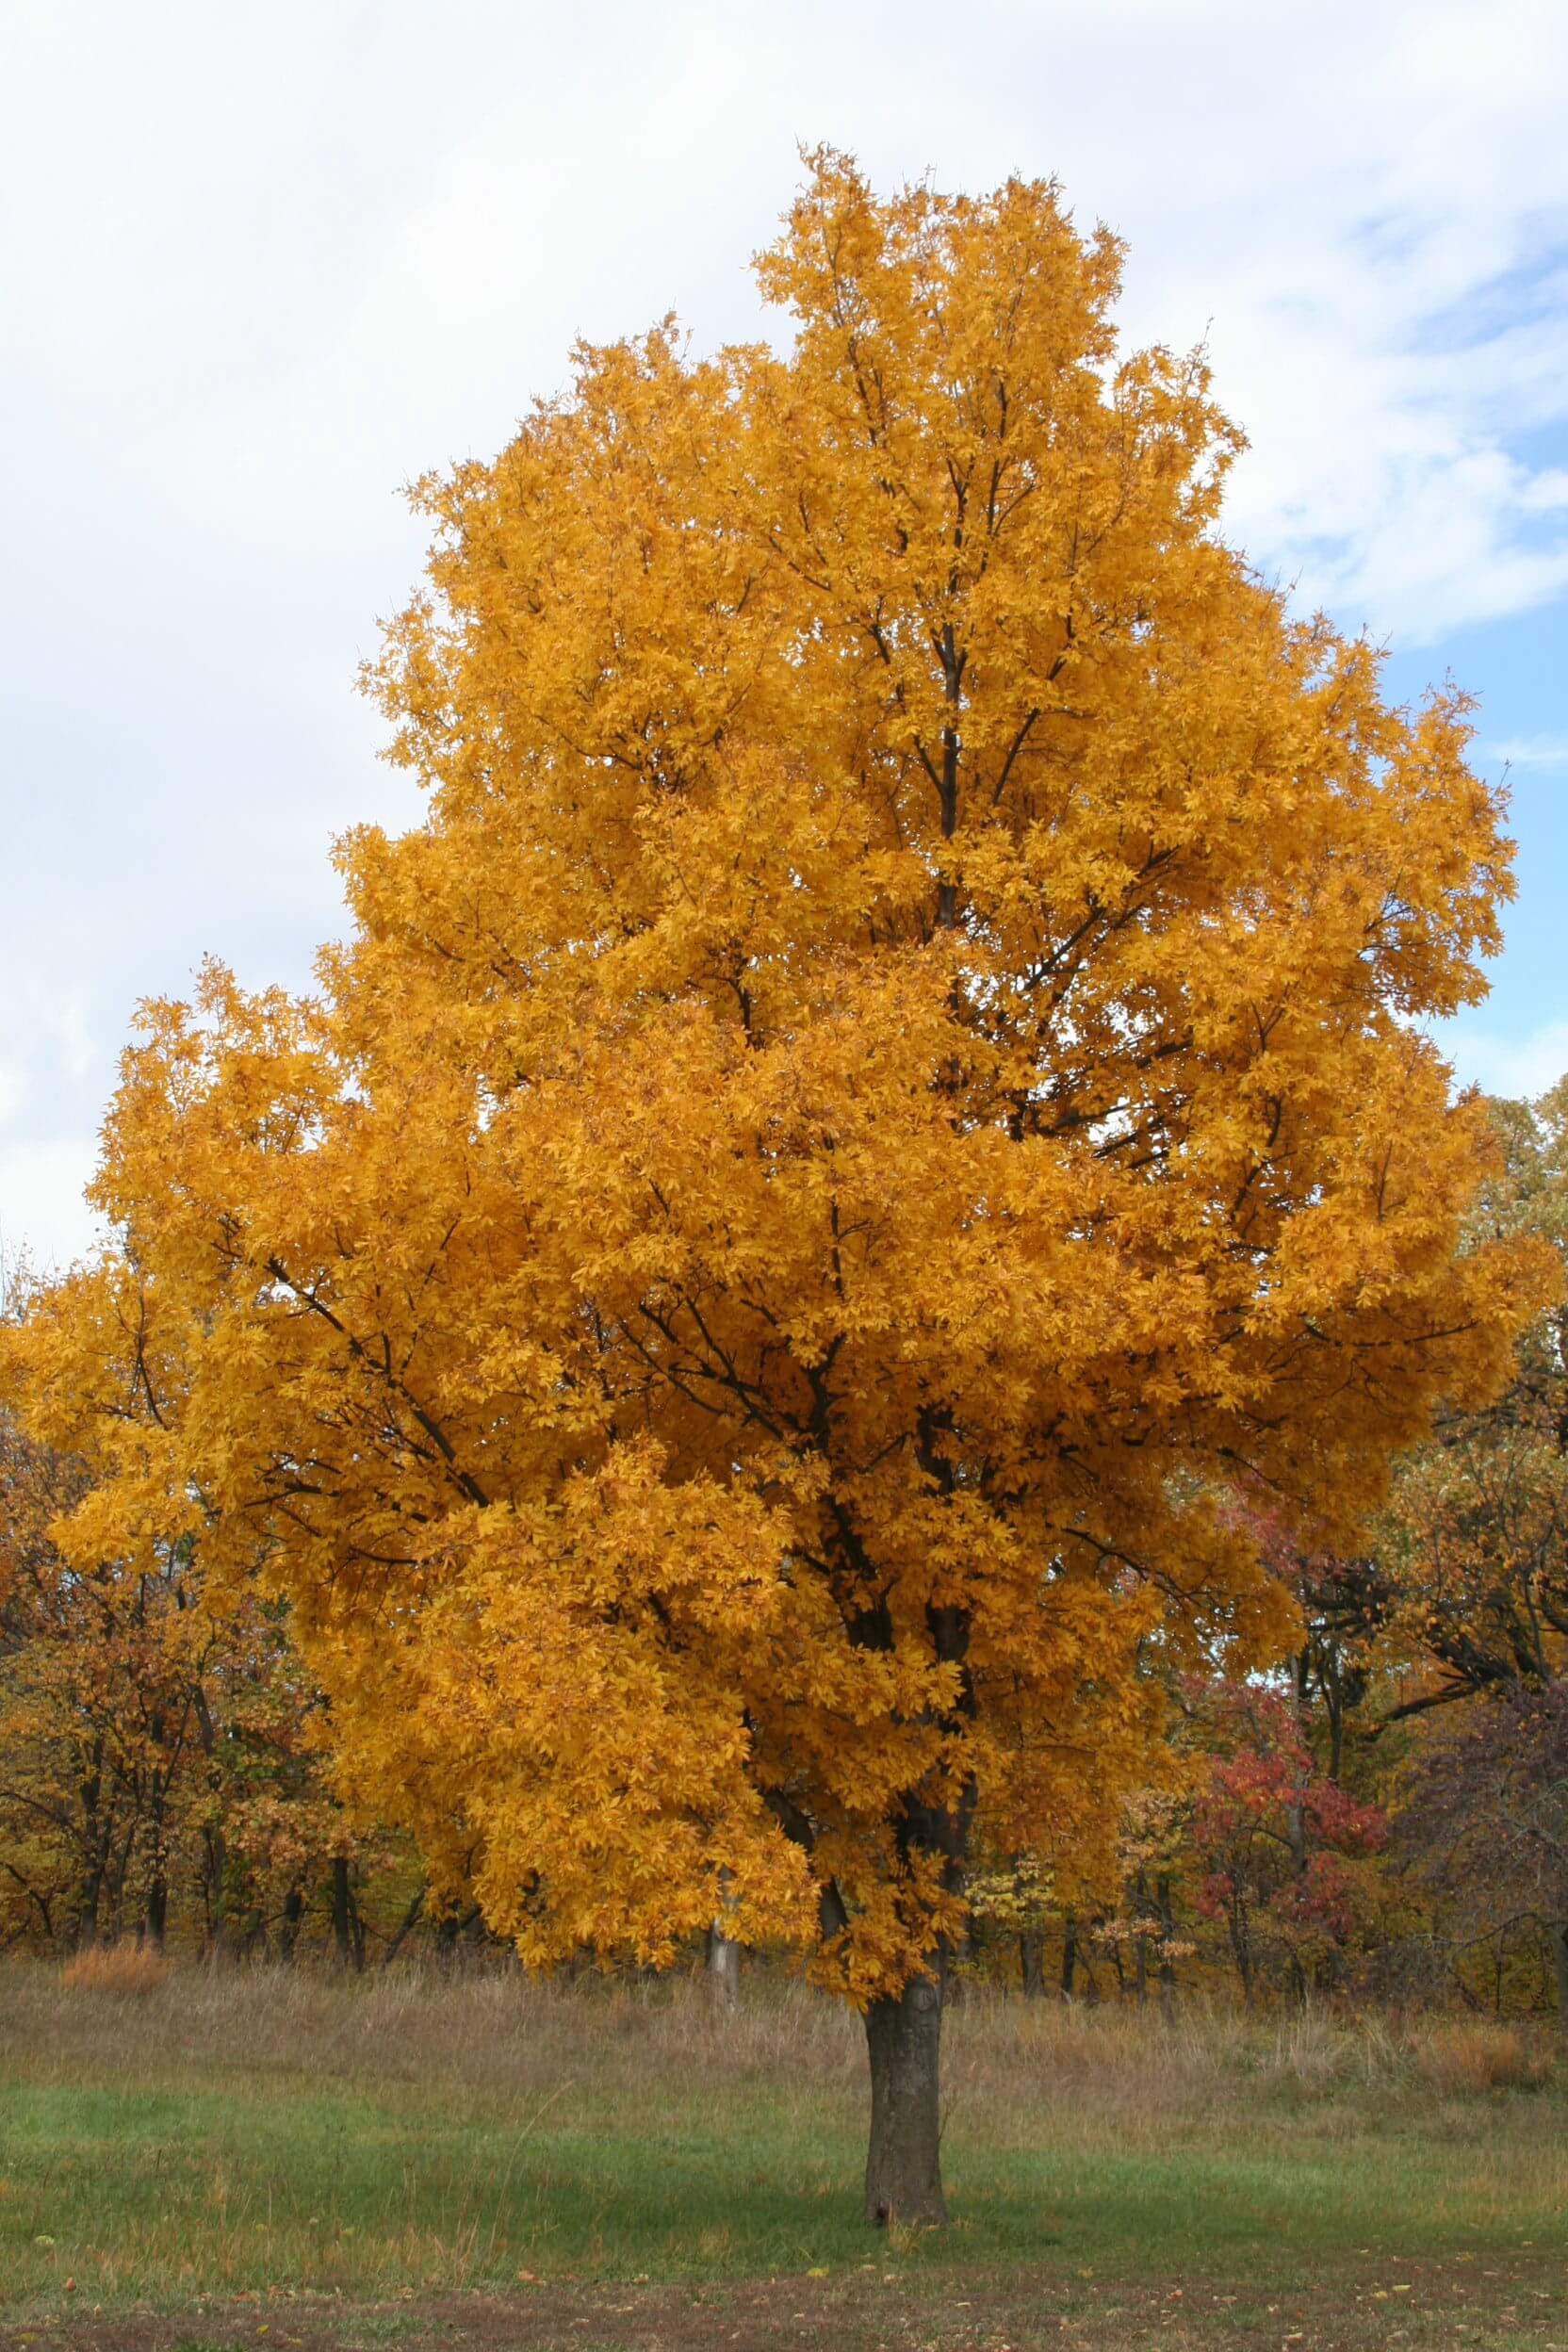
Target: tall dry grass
[
  {"x": 499, "y": 2035},
  {"x": 1474, "y": 2056},
  {"x": 476, "y": 2032},
  {"x": 127, "y": 1970}
]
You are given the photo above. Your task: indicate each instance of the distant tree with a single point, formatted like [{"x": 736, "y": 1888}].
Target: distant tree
[
  {"x": 1474, "y": 1561},
  {"x": 891, "y": 1076},
  {"x": 1486, "y": 1811},
  {"x": 1277, "y": 1841},
  {"x": 1475, "y": 1548},
  {"x": 161, "y": 1768},
  {"x": 102, "y": 1665},
  {"x": 1344, "y": 1604}
]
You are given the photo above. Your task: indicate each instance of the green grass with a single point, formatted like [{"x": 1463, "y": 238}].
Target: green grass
[{"x": 254, "y": 2135}]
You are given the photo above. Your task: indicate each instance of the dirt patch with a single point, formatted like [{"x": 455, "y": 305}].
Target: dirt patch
[{"x": 1395, "y": 2307}]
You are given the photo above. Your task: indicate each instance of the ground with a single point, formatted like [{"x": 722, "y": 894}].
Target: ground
[{"x": 265, "y": 2160}]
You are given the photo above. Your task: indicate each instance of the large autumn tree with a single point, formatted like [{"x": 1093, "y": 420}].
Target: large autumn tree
[{"x": 888, "y": 1079}]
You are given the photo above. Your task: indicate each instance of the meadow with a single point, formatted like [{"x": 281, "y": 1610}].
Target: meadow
[{"x": 278, "y": 2158}]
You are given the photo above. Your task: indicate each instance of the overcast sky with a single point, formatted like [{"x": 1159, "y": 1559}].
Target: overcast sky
[{"x": 259, "y": 264}]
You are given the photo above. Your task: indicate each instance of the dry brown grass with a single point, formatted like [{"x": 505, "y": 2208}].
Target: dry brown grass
[
  {"x": 1474, "y": 2057},
  {"x": 134, "y": 1969},
  {"x": 491, "y": 2034},
  {"x": 497, "y": 2034}
]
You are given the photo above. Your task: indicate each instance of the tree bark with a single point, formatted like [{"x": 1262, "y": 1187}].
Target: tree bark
[
  {"x": 1030, "y": 1952},
  {"x": 724, "y": 1953},
  {"x": 348, "y": 1932},
  {"x": 1140, "y": 1947},
  {"x": 1167, "y": 1936},
  {"x": 215, "y": 1879},
  {"x": 409, "y": 1921},
  {"x": 293, "y": 1913},
  {"x": 723, "y": 1965},
  {"x": 94, "y": 1848},
  {"x": 454, "y": 1924},
  {"x": 1559, "y": 1933},
  {"x": 1241, "y": 1944},
  {"x": 155, "y": 1922},
  {"x": 904, "y": 2032}
]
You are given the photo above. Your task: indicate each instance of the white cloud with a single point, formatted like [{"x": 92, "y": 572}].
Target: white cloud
[
  {"x": 43, "y": 1218},
  {"x": 13, "y": 1089},
  {"x": 1545, "y": 493},
  {"x": 312, "y": 250},
  {"x": 1521, "y": 1068},
  {"x": 1528, "y": 751}
]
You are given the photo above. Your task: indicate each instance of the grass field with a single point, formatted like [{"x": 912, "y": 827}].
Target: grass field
[{"x": 265, "y": 2159}]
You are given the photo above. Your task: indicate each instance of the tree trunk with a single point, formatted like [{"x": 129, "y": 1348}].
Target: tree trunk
[
  {"x": 347, "y": 1934},
  {"x": 1140, "y": 1947},
  {"x": 1241, "y": 1944},
  {"x": 454, "y": 1924},
  {"x": 95, "y": 1849},
  {"x": 1030, "y": 1952},
  {"x": 293, "y": 1915},
  {"x": 1333, "y": 1693},
  {"x": 1069, "y": 1956},
  {"x": 904, "y": 2032},
  {"x": 156, "y": 1923},
  {"x": 1167, "y": 1936},
  {"x": 723, "y": 1965},
  {"x": 1559, "y": 1933},
  {"x": 724, "y": 1953},
  {"x": 216, "y": 1873},
  {"x": 85, "y": 1933},
  {"x": 118, "y": 1871},
  {"x": 409, "y": 1921}
]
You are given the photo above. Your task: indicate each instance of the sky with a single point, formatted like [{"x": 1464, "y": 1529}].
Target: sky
[{"x": 261, "y": 265}]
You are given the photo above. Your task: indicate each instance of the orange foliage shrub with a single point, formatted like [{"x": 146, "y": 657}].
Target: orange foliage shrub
[
  {"x": 116, "y": 1969},
  {"x": 1477, "y": 2057}
]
